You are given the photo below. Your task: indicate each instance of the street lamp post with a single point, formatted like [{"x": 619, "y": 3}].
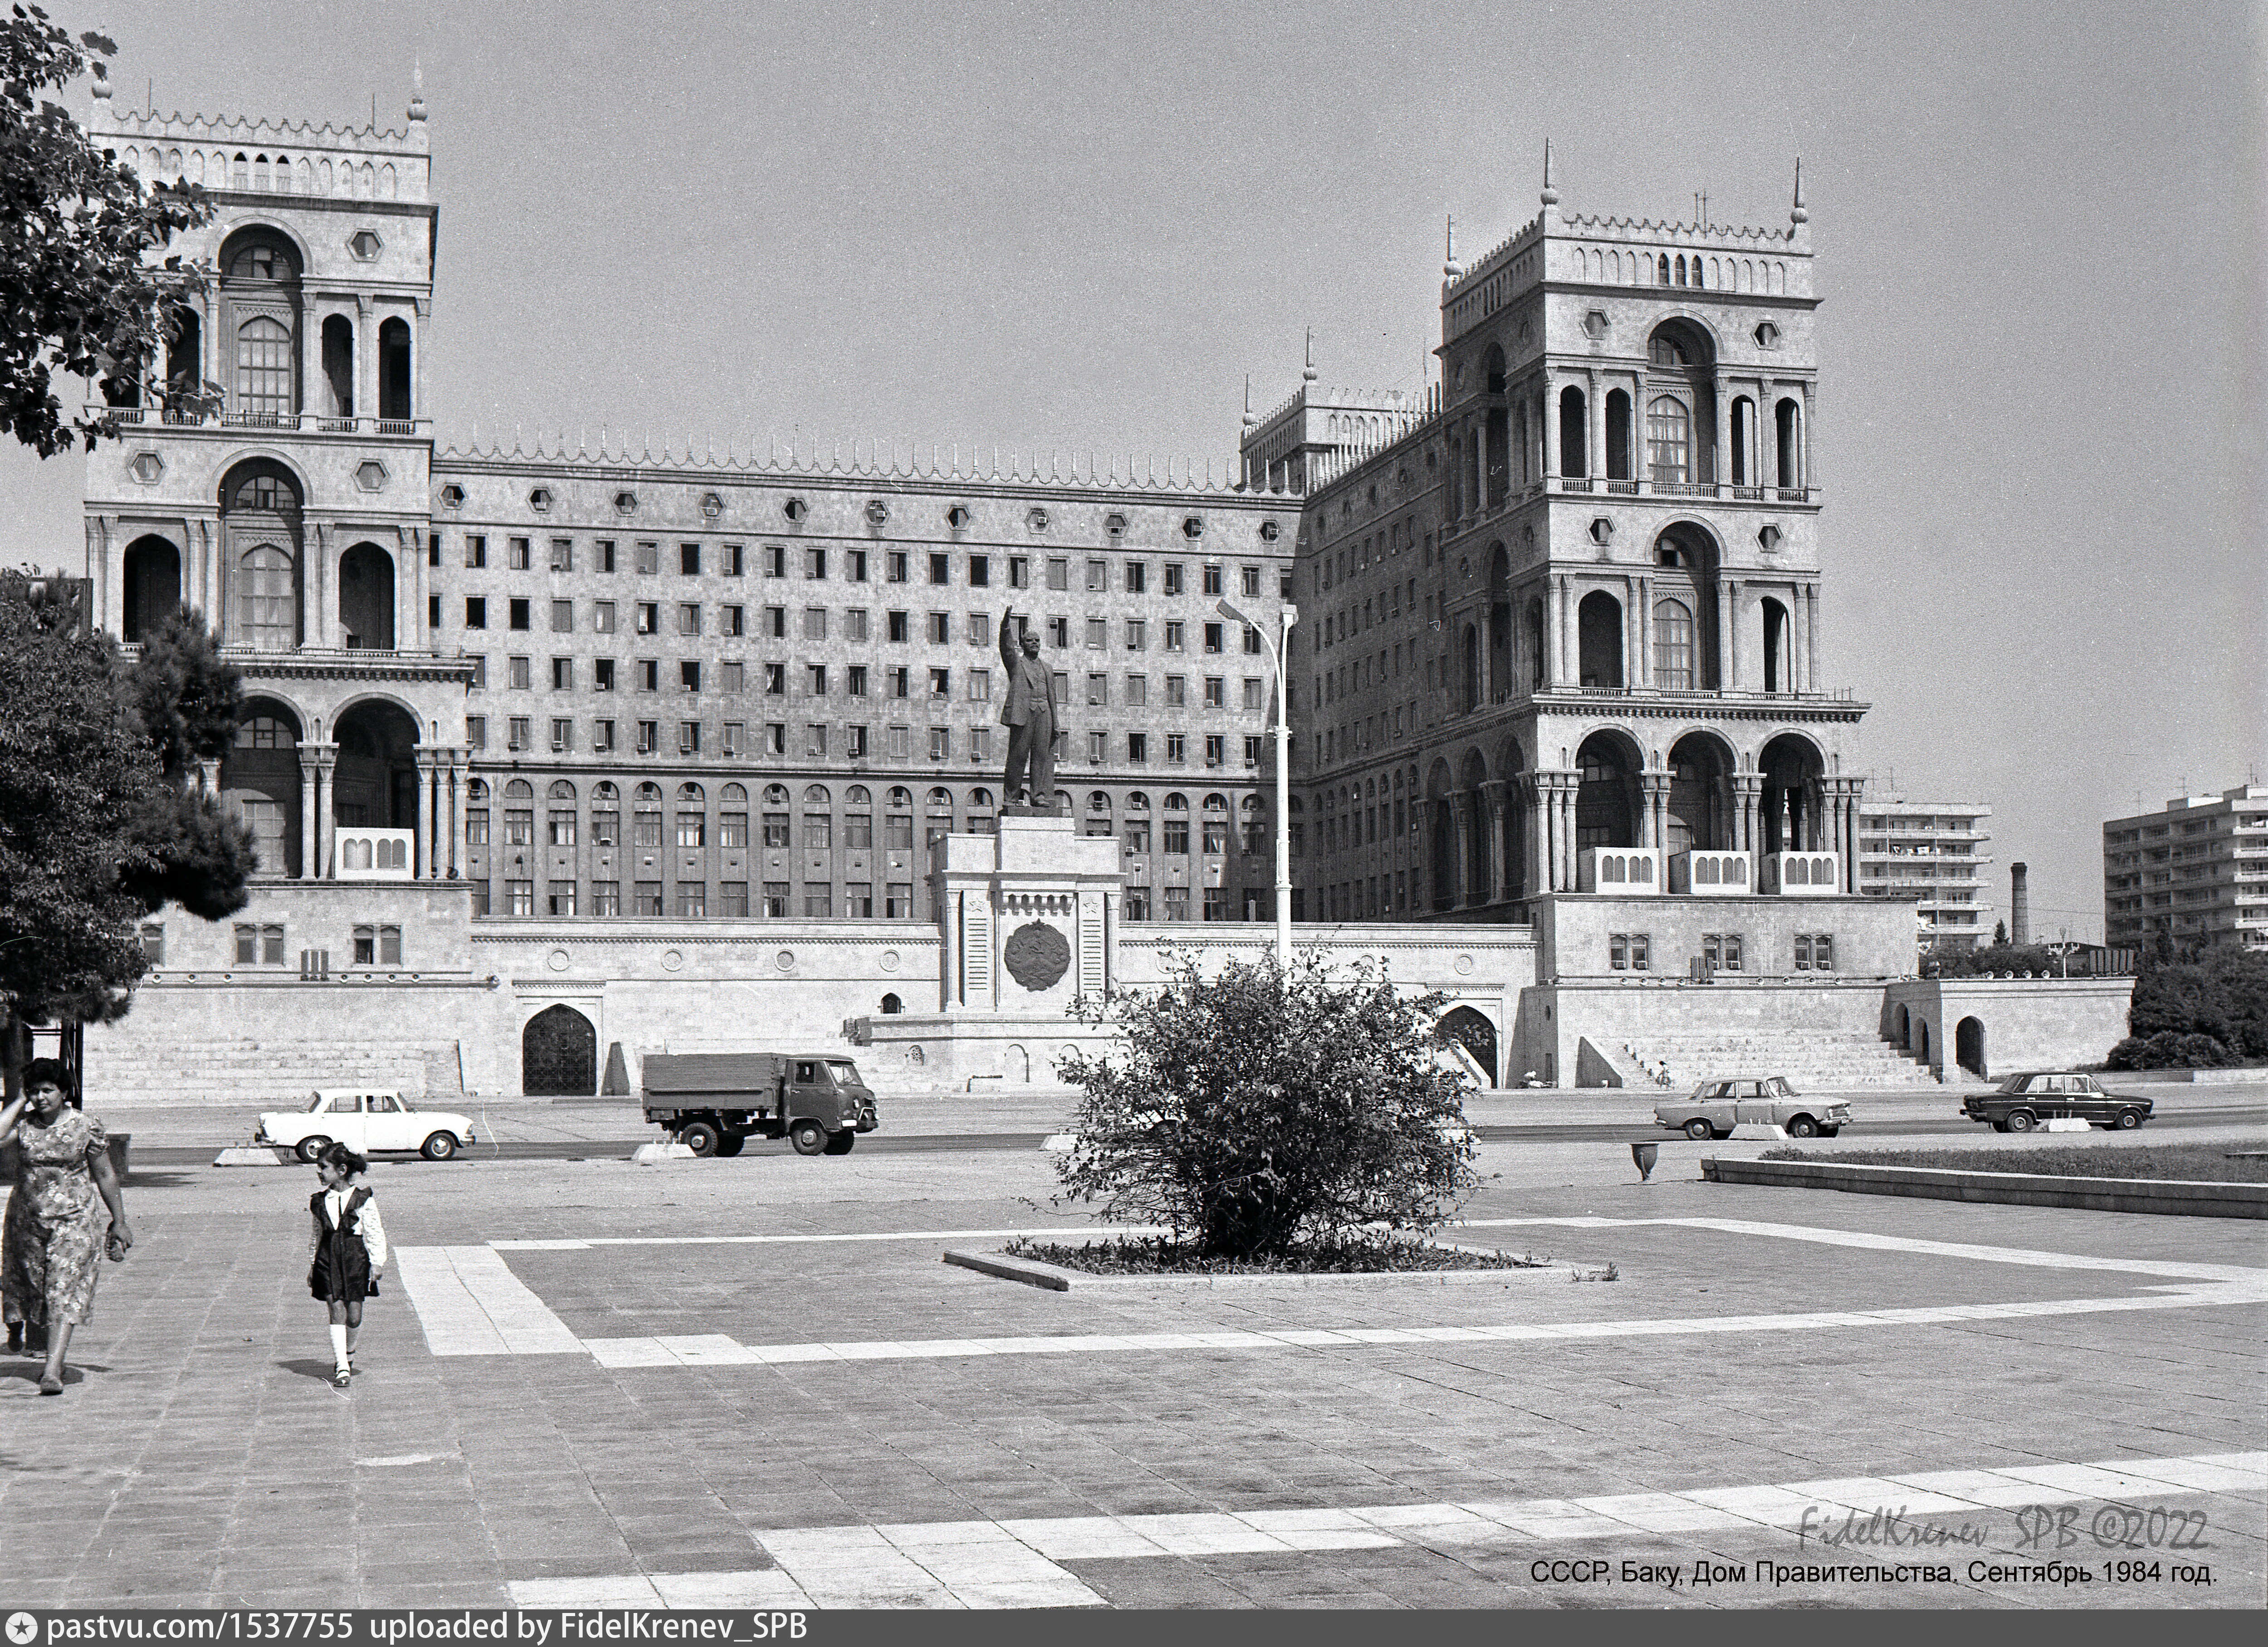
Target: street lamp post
[{"x": 1279, "y": 651}]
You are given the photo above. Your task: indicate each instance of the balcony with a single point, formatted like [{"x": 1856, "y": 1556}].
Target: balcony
[{"x": 290, "y": 422}]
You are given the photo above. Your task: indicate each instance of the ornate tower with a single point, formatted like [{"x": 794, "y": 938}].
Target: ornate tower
[{"x": 274, "y": 475}]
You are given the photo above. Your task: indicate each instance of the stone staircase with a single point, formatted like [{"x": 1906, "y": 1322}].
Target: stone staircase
[
  {"x": 1809, "y": 1058},
  {"x": 274, "y": 1070}
]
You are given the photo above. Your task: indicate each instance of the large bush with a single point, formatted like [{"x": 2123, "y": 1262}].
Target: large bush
[
  {"x": 1252, "y": 1114},
  {"x": 2220, "y": 993},
  {"x": 2168, "y": 1049}
]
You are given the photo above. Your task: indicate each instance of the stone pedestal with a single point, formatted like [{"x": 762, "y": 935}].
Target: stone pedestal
[{"x": 1029, "y": 918}]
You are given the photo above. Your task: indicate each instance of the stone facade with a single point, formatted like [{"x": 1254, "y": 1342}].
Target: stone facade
[{"x": 1997, "y": 1026}]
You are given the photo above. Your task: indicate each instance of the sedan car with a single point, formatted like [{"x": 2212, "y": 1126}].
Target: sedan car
[
  {"x": 1716, "y": 1106},
  {"x": 365, "y": 1121},
  {"x": 2022, "y": 1101}
]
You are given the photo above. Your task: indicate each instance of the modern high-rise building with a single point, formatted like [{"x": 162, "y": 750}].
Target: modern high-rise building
[
  {"x": 2196, "y": 872},
  {"x": 1931, "y": 854}
]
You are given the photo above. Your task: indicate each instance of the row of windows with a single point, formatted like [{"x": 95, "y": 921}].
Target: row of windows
[
  {"x": 263, "y": 945},
  {"x": 1720, "y": 952},
  {"x": 779, "y": 899},
  {"x": 898, "y": 566},
  {"x": 813, "y": 624},
  {"x": 731, "y": 677},
  {"x": 855, "y": 742}
]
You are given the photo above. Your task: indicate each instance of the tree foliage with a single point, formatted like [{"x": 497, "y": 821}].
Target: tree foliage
[
  {"x": 79, "y": 295},
  {"x": 1252, "y": 1114},
  {"x": 2197, "y": 1009},
  {"x": 190, "y": 698},
  {"x": 93, "y": 837}
]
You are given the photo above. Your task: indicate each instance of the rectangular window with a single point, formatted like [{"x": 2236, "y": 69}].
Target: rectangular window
[
  {"x": 1098, "y": 634},
  {"x": 1137, "y": 635},
  {"x": 1215, "y": 903},
  {"x": 688, "y": 618},
  {"x": 563, "y": 617},
  {"x": 775, "y": 738},
  {"x": 520, "y": 897},
  {"x": 602, "y": 737},
  {"x": 562, "y": 674},
  {"x": 516, "y": 672},
  {"x": 896, "y": 568},
  {"x": 901, "y": 743},
  {"x": 1136, "y": 903},
  {"x": 818, "y": 680},
  {"x": 940, "y": 569},
  {"x": 1256, "y": 693},
  {"x": 775, "y": 622},
  {"x": 519, "y": 826},
  {"x": 900, "y": 679},
  {"x": 1251, "y": 642},
  {"x": 941, "y": 743},
  {"x": 1138, "y": 577},
  {"x": 733, "y": 740},
  {"x": 480, "y": 899},
  {"x": 606, "y": 552},
  {"x": 979, "y": 686},
  {"x": 476, "y": 550},
  {"x": 733, "y": 898},
  {"x": 1215, "y": 640},
  {"x": 1177, "y": 903},
  {"x": 476, "y": 612},
  {"x": 814, "y": 741},
  {"x": 1175, "y": 636},
  {"x": 1137, "y": 749},
  {"x": 897, "y": 626},
  {"x": 648, "y": 560},
  {"x": 516, "y": 554},
  {"x": 775, "y": 899},
  {"x": 1059, "y": 633},
  {"x": 775, "y": 833},
  {"x": 606, "y": 897},
  {"x": 692, "y": 829},
  {"x": 689, "y": 738},
  {"x": 941, "y": 628},
  {"x": 649, "y": 617},
  {"x": 602, "y": 617},
  {"x": 898, "y": 900},
  {"x": 432, "y": 612},
  {"x": 854, "y": 565},
  {"x": 854, "y": 624},
  {"x": 1098, "y": 747},
  {"x": 692, "y": 898},
  {"x": 814, "y": 563},
  {"x": 1250, "y": 577},
  {"x": 563, "y": 555},
  {"x": 1137, "y": 691},
  {"x": 980, "y": 629},
  {"x": 1177, "y": 749},
  {"x": 605, "y": 828},
  {"x": 818, "y": 900},
  {"x": 1058, "y": 572},
  {"x": 1212, "y": 581},
  {"x": 1177, "y": 694},
  {"x": 518, "y": 736},
  {"x": 1098, "y": 577},
  {"x": 858, "y": 901},
  {"x": 559, "y": 897},
  {"x": 1177, "y": 835},
  {"x": 1019, "y": 572},
  {"x": 646, "y": 897},
  {"x": 689, "y": 675},
  {"x": 1215, "y": 749},
  {"x": 649, "y": 674},
  {"x": 732, "y": 677},
  {"x": 1138, "y": 835},
  {"x": 1173, "y": 585},
  {"x": 649, "y": 737},
  {"x": 736, "y": 558},
  {"x": 980, "y": 571},
  {"x": 1216, "y": 692},
  {"x": 563, "y": 736},
  {"x": 476, "y": 826},
  {"x": 940, "y": 683}
]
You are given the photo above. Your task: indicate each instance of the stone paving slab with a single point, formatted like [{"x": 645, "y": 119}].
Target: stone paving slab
[{"x": 221, "y": 1444}]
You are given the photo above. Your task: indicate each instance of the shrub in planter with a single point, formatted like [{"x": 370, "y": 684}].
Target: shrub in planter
[{"x": 1251, "y": 1113}]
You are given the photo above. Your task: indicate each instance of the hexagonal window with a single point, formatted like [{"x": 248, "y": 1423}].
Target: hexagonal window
[
  {"x": 1768, "y": 536},
  {"x": 1037, "y": 520},
  {"x": 366, "y": 245},
  {"x": 712, "y": 506},
  {"x": 1114, "y": 523},
  {"x": 1194, "y": 526},
  {"x": 958, "y": 516},
  {"x": 540, "y": 500},
  {"x": 1269, "y": 531},
  {"x": 877, "y": 513},
  {"x": 795, "y": 509},
  {"x": 452, "y": 495},
  {"x": 1595, "y": 324},
  {"x": 626, "y": 503},
  {"x": 147, "y": 468},
  {"x": 371, "y": 476},
  {"x": 1602, "y": 530},
  {"x": 1767, "y": 335}
]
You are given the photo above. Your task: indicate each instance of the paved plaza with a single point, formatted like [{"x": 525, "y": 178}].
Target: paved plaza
[{"x": 753, "y": 1382}]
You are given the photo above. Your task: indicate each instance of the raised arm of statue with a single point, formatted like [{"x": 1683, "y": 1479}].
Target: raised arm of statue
[{"x": 1008, "y": 637}]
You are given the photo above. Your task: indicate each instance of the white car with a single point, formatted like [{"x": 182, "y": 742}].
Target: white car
[{"x": 365, "y": 1122}]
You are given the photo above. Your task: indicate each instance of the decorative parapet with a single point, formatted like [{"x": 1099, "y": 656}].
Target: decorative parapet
[{"x": 232, "y": 154}]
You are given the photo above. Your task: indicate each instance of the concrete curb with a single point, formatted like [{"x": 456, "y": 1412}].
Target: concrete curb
[
  {"x": 654, "y": 1154},
  {"x": 2174, "y": 1197},
  {"x": 258, "y": 1155},
  {"x": 1052, "y": 1278}
]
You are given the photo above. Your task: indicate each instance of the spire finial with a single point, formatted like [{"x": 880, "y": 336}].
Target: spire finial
[
  {"x": 416, "y": 88},
  {"x": 1550, "y": 194},
  {"x": 1249, "y": 420},
  {"x": 1450, "y": 268},
  {"x": 1796, "y": 213},
  {"x": 1308, "y": 372}
]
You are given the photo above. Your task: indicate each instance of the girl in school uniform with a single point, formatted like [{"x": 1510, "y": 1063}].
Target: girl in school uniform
[{"x": 348, "y": 1248}]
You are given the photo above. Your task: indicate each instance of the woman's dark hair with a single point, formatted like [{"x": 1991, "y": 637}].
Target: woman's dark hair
[
  {"x": 343, "y": 1160},
  {"x": 47, "y": 1072}
]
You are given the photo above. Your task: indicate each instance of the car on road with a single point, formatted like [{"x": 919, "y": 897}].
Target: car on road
[
  {"x": 2022, "y": 1101},
  {"x": 367, "y": 1122},
  {"x": 1716, "y": 1106}
]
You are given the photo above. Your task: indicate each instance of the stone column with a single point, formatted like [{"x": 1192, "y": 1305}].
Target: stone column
[
  {"x": 1570, "y": 851},
  {"x": 422, "y": 854},
  {"x": 1746, "y": 788},
  {"x": 1728, "y": 635},
  {"x": 327, "y": 757},
  {"x": 1550, "y": 428},
  {"x": 1799, "y": 644},
  {"x": 1565, "y": 642},
  {"x": 365, "y": 357},
  {"x": 1811, "y": 637},
  {"x": 1460, "y": 831},
  {"x": 454, "y": 813},
  {"x": 1654, "y": 814},
  {"x": 1767, "y": 434},
  {"x": 1495, "y": 801},
  {"x": 1594, "y": 413},
  {"x": 1720, "y": 468},
  {"x": 310, "y": 803},
  {"x": 317, "y": 622},
  {"x": 949, "y": 953},
  {"x": 1641, "y": 674}
]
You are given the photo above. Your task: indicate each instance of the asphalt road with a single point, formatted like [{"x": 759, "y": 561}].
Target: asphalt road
[{"x": 1589, "y": 1132}]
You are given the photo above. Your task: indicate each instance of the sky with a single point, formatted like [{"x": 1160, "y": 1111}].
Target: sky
[{"x": 2041, "y": 230}]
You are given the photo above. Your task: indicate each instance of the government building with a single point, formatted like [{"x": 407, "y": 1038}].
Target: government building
[{"x": 555, "y": 746}]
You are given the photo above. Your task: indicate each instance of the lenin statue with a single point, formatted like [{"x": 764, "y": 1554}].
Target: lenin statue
[{"x": 1030, "y": 715}]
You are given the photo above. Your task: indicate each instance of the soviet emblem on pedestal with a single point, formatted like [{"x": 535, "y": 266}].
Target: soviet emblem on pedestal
[{"x": 1036, "y": 955}]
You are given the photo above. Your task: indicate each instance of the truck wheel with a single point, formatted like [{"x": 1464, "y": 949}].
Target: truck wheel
[
  {"x": 839, "y": 1143},
  {"x": 808, "y": 1136},
  {"x": 311, "y": 1149},
  {"x": 1802, "y": 1127},
  {"x": 1829, "y": 1132},
  {"x": 700, "y": 1137},
  {"x": 731, "y": 1143},
  {"x": 1699, "y": 1127}
]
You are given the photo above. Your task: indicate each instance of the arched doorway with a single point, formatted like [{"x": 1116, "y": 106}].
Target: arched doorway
[
  {"x": 1969, "y": 1044},
  {"x": 1700, "y": 800},
  {"x": 1792, "y": 769},
  {"x": 1441, "y": 846},
  {"x": 1016, "y": 1066},
  {"x": 1905, "y": 1028},
  {"x": 1513, "y": 765},
  {"x": 1921, "y": 1036},
  {"x": 1607, "y": 803},
  {"x": 559, "y": 1054},
  {"x": 1478, "y": 890},
  {"x": 366, "y": 599},
  {"x": 1472, "y": 1030},
  {"x": 152, "y": 587},
  {"x": 1599, "y": 640},
  {"x": 374, "y": 785},
  {"x": 1500, "y": 626}
]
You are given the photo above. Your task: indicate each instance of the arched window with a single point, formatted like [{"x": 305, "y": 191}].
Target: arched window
[
  {"x": 265, "y": 618},
  {"x": 980, "y": 800},
  {"x": 645, "y": 815},
  {"x": 1098, "y": 802},
  {"x": 561, "y": 790},
  {"x": 775, "y": 794},
  {"x": 1216, "y": 805},
  {"x": 1673, "y": 646},
  {"x": 263, "y": 367},
  {"x": 264, "y": 731},
  {"x": 1667, "y": 351},
  {"x": 1136, "y": 801},
  {"x": 817, "y": 794},
  {"x": 1669, "y": 441},
  {"x": 940, "y": 799},
  {"x": 691, "y": 794},
  {"x": 605, "y": 794},
  {"x": 857, "y": 795},
  {"x": 476, "y": 792},
  {"x": 1681, "y": 269},
  {"x": 520, "y": 789},
  {"x": 901, "y": 800},
  {"x": 733, "y": 795}
]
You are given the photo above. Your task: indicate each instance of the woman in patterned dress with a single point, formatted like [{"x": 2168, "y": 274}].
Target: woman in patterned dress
[{"x": 55, "y": 1230}]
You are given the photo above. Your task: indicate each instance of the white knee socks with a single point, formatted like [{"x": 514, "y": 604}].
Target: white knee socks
[{"x": 339, "y": 1344}]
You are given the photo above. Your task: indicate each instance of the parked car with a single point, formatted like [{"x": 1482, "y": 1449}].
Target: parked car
[
  {"x": 2022, "y": 1101},
  {"x": 367, "y": 1122},
  {"x": 1716, "y": 1106}
]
